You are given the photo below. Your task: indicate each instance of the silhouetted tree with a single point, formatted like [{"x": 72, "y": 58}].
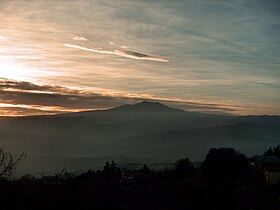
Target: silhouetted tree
[
  {"x": 145, "y": 169},
  {"x": 273, "y": 151},
  {"x": 104, "y": 189},
  {"x": 228, "y": 180},
  {"x": 107, "y": 165},
  {"x": 269, "y": 152},
  {"x": 111, "y": 171},
  {"x": 226, "y": 166},
  {"x": 27, "y": 178},
  {"x": 8, "y": 164},
  {"x": 183, "y": 166},
  {"x": 88, "y": 175},
  {"x": 277, "y": 151}
]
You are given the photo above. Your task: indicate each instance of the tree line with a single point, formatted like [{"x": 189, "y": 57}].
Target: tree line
[{"x": 226, "y": 179}]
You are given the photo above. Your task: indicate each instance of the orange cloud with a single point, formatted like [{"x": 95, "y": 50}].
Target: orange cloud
[{"x": 26, "y": 98}]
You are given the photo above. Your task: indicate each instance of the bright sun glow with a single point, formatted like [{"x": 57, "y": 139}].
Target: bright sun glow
[{"x": 13, "y": 70}]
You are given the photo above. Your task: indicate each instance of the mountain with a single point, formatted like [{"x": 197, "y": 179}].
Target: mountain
[
  {"x": 79, "y": 134},
  {"x": 195, "y": 143},
  {"x": 261, "y": 119},
  {"x": 163, "y": 132},
  {"x": 145, "y": 106}
]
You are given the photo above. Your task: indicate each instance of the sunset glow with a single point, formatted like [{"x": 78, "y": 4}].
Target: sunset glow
[
  {"x": 227, "y": 63},
  {"x": 13, "y": 70},
  {"x": 140, "y": 104}
]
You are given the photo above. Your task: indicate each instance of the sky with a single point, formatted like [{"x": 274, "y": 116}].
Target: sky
[{"x": 198, "y": 55}]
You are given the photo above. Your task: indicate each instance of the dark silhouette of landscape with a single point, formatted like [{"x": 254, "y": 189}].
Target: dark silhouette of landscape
[
  {"x": 139, "y": 105},
  {"x": 141, "y": 156},
  {"x": 148, "y": 132},
  {"x": 226, "y": 179}
]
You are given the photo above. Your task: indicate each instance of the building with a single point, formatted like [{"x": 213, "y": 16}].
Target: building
[{"x": 271, "y": 164}]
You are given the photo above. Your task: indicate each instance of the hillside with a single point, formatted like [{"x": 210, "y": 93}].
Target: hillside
[
  {"x": 146, "y": 129},
  {"x": 195, "y": 143}
]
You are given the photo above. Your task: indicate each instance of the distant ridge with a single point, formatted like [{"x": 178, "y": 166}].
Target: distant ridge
[
  {"x": 146, "y": 129},
  {"x": 145, "y": 106}
]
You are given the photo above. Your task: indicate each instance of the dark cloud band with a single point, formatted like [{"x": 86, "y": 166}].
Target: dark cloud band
[{"x": 41, "y": 97}]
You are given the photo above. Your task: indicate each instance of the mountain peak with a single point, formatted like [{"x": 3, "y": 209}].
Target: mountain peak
[
  {"x": 145, "y": 106},
  {"x": 148, "y": 103}
]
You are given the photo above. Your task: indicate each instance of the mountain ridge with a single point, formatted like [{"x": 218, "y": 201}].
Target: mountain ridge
[
  {"x": 143, "y": 106},
  {"x": 164, "y": 133}
]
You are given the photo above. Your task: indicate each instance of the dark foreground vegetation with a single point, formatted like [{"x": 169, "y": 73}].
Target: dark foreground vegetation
[{"x": 225, "y": 180}]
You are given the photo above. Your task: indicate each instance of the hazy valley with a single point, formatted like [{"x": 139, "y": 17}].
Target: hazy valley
[{"x": 147, "y": 132}]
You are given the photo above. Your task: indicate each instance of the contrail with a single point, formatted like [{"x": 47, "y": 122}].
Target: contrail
[{"x": 126, "y": 54}]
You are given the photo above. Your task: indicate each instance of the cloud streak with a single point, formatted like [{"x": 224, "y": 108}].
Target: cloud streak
[
  {"x": 126, "y": 54},
  {"x": 214, "y": 56},
  {"x": 79, "y": 38},
  {"x": 33, "y": 99}
]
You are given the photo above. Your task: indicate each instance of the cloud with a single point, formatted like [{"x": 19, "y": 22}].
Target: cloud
[
  {"x": 22, "y": 110},
  {"x": 139, "y": 56},
  {"x": 214, "y": 54},
  {"x": 125, "y": 47},
  {"x": 2, "y": 38},
  {"x": 79, "y": 38},
  {"x": 31, "y": 99},
  {"x": 126, "y": 54},
  {"x": 14, "y": 85}
]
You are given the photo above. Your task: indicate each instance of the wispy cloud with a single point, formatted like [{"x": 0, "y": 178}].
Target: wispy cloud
[
  {"x": 79, "y": 38},
  {"x": 125, "y": 47},
  {"x": 126, "y": 54},
  {"x": 139, "y": 56},
  {"x": 215, "y": 56}
]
